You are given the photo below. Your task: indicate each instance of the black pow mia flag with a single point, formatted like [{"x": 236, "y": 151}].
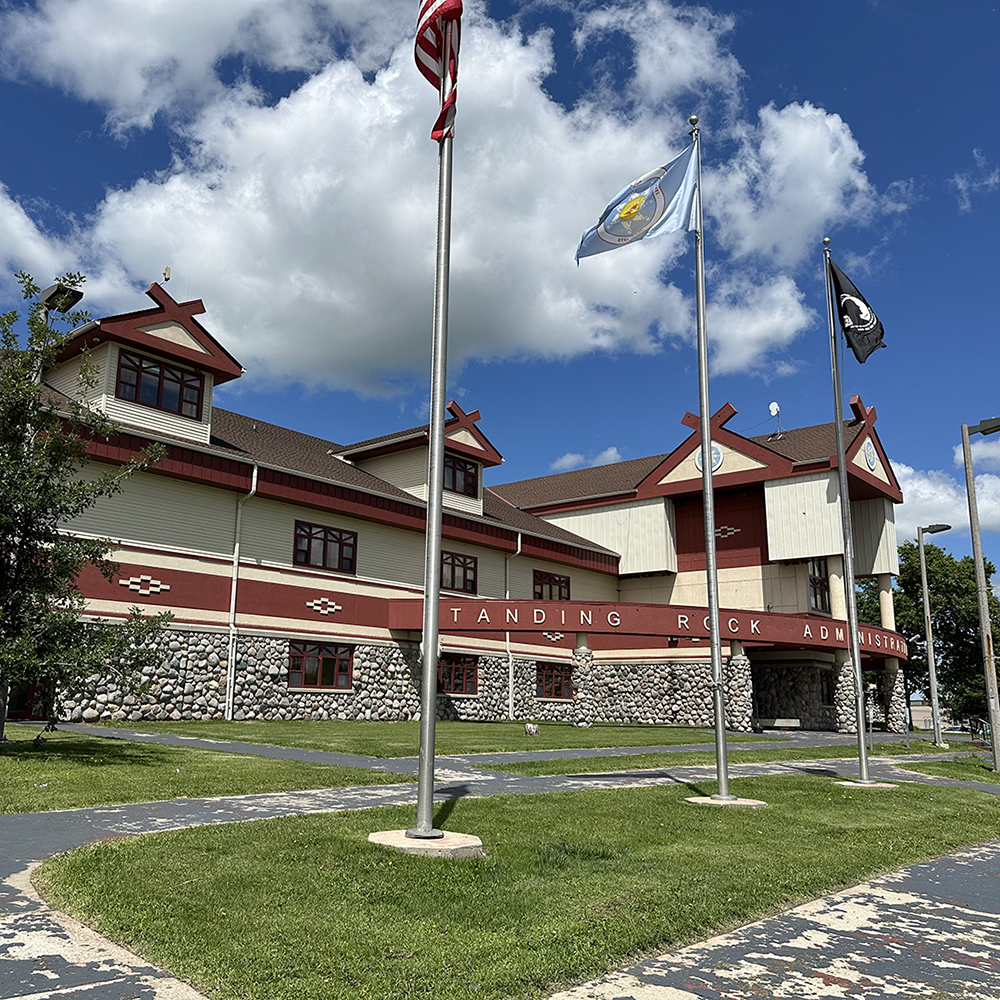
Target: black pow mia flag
[{"x": 862, "y": 328}]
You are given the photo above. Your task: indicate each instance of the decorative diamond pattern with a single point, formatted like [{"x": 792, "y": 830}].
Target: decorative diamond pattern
[
  {"x": 726, "y": 532},
  {"x": 324, "y": 606},
  {"x": 144, "y": 585},
  {"x": 553, "y": 636}
]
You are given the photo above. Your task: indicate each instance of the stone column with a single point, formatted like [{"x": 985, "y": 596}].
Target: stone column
[
  {"x": 584, "y": 693},
  {"x": 843, "y": 696},
  {"x": 895, "y": 690},
  {"x": 738, "y": 681}
]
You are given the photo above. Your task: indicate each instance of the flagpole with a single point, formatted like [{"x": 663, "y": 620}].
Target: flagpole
[
  {"x": 708, "y": 504},
  {"x": 846, "y": 528},
  {"x": 425, "y": 829}
]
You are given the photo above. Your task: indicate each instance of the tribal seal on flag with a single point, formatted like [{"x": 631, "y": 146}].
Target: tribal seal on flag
[{"x": 661, "y": 201}]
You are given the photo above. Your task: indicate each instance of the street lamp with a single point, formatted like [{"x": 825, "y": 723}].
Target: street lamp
[
  {"x": 58, "y": 297},
  {"x": 985, "y": 628},
  {"x": 931, "y": 529}
]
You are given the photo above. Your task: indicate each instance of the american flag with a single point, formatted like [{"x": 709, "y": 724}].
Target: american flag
[{"x": 439, "y": 67}]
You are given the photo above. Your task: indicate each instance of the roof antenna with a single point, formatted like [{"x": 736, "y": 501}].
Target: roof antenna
[
  {"x": 166, "y": 274},
  {"x": 776, "y": 412}
]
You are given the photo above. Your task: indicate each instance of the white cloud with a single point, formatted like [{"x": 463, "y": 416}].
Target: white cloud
[
  {"x": 985, "y": 454},
  {"x": 307, "y": 226},
  {"x": 934, "y": 497},
  {"x": 575, "y": 460},
  {"x": 571, "y": 460},
  {"x": 797, "y": 174},
  {"x": 981, "y": 178}
]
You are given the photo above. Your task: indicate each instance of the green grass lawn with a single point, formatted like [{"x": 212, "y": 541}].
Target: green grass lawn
[
  {"x": 692, "y": 758},
  {"x": 402, "y": 739},
  {"x": 574, "y": 884},
  {"x": 965, "y": 768},
  {"x": 71, "y": 770}
]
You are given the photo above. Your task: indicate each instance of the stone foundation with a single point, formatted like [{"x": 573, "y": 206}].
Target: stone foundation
[{"x": 189, "y": 682}]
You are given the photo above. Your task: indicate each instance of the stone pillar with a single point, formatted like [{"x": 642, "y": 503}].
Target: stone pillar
[
  {"x": 584, "y": 692},
  {"x": 738, "y": 687},
  {"x": 895, "y": 691},
  {"x": 844, "y": 699}
]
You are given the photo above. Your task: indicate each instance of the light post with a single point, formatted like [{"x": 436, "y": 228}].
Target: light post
[
  {"x": 985, "y": 628},
  {"x": 931, "y": 529}
]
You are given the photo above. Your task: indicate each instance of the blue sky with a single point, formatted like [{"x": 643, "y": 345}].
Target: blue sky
[{"x": 275, "y": 154}]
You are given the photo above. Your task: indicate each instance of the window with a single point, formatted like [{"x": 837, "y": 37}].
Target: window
[
  {"x": 819, "y": 586},
  {"x": 458, "y": 674},
  {"x": 326, "y": 547},
  {"x": 554, "y": 680},
  {"x": 458, "y": 572},
  {"x": 461, "y": 476},
  {"x": 163, "y": 387},
  {"x": 320, "y": 666},
  {"x": 826, "y": 687},
  {"x": 551, "y": 587}
]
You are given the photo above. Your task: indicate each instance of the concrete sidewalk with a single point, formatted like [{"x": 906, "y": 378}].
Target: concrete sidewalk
[{"x": 929, "y": 921}]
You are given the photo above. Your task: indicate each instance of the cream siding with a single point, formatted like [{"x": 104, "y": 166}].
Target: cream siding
[
  {"x": 464, "y": 436},
  {"x": 175, "y": 334},
  {"x": 155, "y": 510},
  {"x": 861, "y": 461},
  {"x": 406, "y": 470},
  {"x": 803, "y": 516},
  {"x": 640, "y": 531},
  {"x": 66, "y": 377},
  {"x": 874, "y": 527},
  {"x": 158, "y": 421},
  {"x": 785, "y": 587},
  {"x": 732, "y": 461},
  {"x": 384, "y": 553},
  {"x": 584, "y": 584}
]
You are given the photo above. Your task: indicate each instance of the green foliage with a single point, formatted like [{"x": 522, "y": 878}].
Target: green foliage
[
  {"x": 951, "y": 585},
  {"x": 44, "y": 438}
]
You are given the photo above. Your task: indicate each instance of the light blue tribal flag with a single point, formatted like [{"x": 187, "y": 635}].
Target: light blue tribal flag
[{"x": 659, "y": 202}]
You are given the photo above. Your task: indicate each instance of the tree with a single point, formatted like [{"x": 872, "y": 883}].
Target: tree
[
  {"x": 44, "y": 638},
  {"x": 951, "y": 585}
]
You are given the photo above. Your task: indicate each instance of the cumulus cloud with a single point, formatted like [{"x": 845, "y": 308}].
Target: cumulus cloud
[
  {"x": 307, "y": 224},
  {"x": 981, "y": 178},
  {"x": 798, "y": 172},
  {"x": 932, "y": 497},
  {"x": 985, "y": 454},
  {"x": 574, "y": 460}
]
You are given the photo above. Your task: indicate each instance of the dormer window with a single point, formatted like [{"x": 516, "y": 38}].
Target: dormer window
[
  {"x": 162, "y": 387},
  {"x": 461, "y": 476}
]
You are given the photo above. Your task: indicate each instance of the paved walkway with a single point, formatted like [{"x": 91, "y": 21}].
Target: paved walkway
[{"x": 929, "y": 931}]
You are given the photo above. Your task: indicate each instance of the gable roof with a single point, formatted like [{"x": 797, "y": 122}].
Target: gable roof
[
  {"x": 413, "y": 437},
  {"x": 193, "y": 345}
]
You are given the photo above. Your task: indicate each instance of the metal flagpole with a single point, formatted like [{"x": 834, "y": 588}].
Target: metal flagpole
[
  {"x": 435, "y": 483},
  {"x": 846, "y": 529},
  {"x": 985, "y": 626},
  {"x": 708, "y": 502}
]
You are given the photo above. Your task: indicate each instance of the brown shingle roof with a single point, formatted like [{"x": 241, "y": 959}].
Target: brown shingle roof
[
  {"x": 809, "y": 444},
  {"x": 602, "y": 481}
]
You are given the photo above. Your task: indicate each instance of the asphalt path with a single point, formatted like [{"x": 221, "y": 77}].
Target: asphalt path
[{"x": 931, "y": 930}]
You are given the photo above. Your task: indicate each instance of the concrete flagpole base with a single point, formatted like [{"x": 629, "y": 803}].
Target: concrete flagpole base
[
  {"x": 877, "y": 786},
  {"x": 712, "y": 800},
  {"x": 449, "y": 845}
]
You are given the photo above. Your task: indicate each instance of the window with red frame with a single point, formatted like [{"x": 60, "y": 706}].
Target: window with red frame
[
  {"x": 554, "y": 680},
  {"x": 320, "y": 666},
  {"x": 329, "y": 548},
  {"x": 551, "y": 586},
  {"x": 458, "y": 572},
  {"x": 461, "y": 476},
  {"x": 163, "y": 387},
  {"x": 458, "y": 674}
]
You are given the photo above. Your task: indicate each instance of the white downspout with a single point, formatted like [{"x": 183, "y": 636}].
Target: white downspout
[
  {"x": 510, "y": 655},
  {"x": 231, "y": 665}
]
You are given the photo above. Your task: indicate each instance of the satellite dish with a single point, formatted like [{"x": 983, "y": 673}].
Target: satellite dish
[{"x": 775, "y": 409}]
